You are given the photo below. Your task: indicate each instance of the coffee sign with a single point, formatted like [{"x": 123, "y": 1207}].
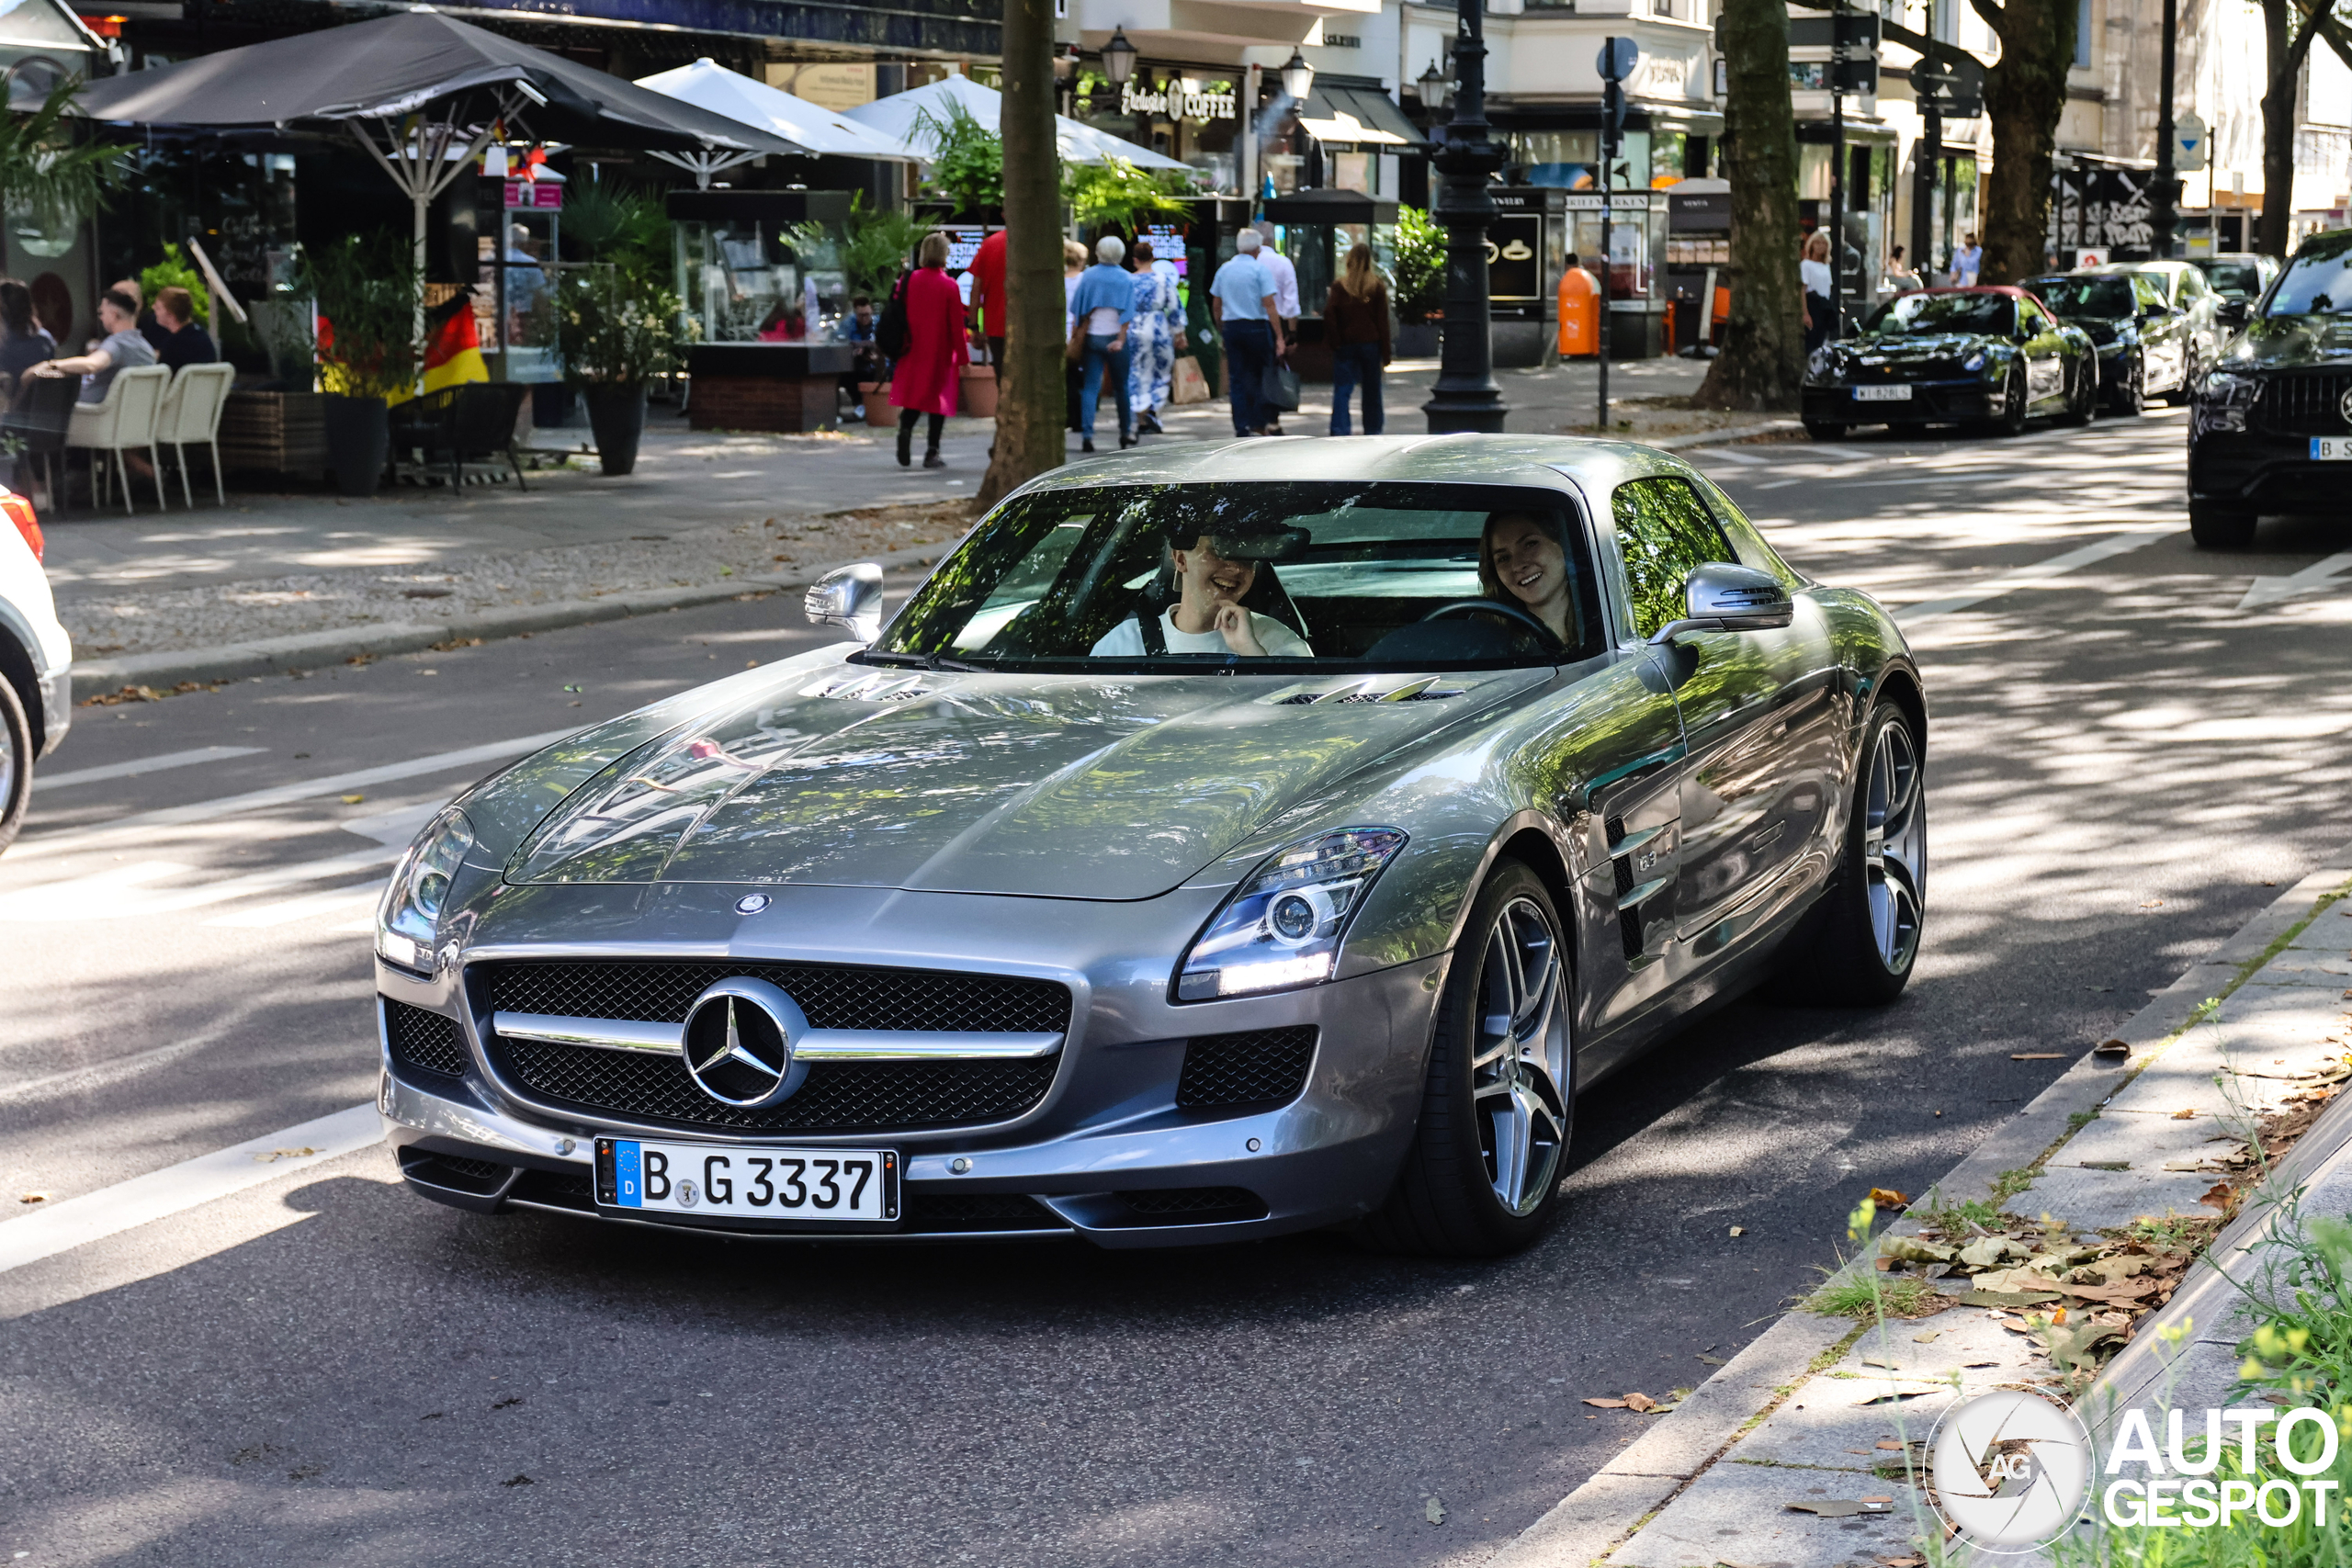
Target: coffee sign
[{"x": 1177, "y": 100}]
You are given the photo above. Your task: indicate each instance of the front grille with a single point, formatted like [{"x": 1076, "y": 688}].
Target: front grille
[
  {"x": 1264, "y": 1066},
  {"x": 2311, "y": 404},
  {"x": 425, "y": 1040},
  {"x": 556, "y": 1190},
  {"x": 976, "y": 1212},
  {"x": 837, "y": 1097},
  {"x": 454, "y": 1172},
  {"x": 661, "y": 992},
  {"x": 1219, "y": 1201}
]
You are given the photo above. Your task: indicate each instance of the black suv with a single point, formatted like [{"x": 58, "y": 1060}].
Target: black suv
[{"x": 2271, "y": 429}]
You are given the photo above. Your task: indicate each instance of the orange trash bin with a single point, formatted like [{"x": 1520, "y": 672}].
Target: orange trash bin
[{"x": 1580, "y": 314}]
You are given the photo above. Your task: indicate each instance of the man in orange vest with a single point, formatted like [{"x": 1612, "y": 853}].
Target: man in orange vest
[{"x": 1579, "y": 312}]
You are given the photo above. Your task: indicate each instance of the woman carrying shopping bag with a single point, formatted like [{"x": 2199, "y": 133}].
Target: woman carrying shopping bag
[
  {"x": 1154, "y": 339},
  {"x": 1355, "y": 324}
]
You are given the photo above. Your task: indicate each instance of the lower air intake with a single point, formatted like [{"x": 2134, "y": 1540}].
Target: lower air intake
[{"x": 1258, "y": 1068}]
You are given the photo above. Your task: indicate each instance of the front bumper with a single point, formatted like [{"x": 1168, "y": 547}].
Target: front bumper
[
  {"x": 1930, "y": 402},
  {"x": 56, "y": 706},
  {"x": 1106, "y": 1154},
  {"x": 2264, "y": 472}
]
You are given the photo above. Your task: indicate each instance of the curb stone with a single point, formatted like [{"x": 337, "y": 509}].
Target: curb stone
[
  {"x": 309, "y": 651},
  {"x": 1601, "y": 1515}
]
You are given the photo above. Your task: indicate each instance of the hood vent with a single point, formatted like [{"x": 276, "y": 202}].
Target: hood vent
[
  {"x": 1382, "y": 689},
  {"x": 869, "y": 688}
]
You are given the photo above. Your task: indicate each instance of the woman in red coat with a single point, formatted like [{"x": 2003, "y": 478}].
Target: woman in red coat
[{"x": 926, "y": 376}]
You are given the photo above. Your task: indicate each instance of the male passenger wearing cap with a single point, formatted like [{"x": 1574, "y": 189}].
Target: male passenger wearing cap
[{"x": 1207, "y": 616}]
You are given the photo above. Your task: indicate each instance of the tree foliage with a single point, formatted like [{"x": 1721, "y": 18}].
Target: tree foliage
[
  {"x": 1762, "y": 361},
  {"x": 1420, "y": 265},
  {"x": 175, "y": 271},
  {"x": 608, "y": 222},
  {"x": 2289, "y": 28}
]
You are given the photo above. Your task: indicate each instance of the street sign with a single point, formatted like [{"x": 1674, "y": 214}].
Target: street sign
[
  {"x": 2188, "y": 138},
  {"x": 1953, "y": 84},
  {"x": 1854, "y": 74},
  {"x": 1617, "y": 59}
]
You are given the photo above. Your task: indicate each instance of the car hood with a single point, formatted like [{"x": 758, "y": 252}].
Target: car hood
[
  {"x": 1923, "y": 349},
  {"x": 2287, "y": 342},
  {"x": 1049, "y": 787}
]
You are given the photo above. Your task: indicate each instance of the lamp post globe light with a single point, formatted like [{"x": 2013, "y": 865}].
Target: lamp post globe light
[
  {"x": 1118, "y": 58},
  {"x": 1433, "y": 87},
  {"x": 1466, "y": 396},
  {"x": 1298, "y": 76}
]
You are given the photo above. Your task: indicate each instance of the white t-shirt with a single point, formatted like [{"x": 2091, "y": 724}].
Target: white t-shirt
[
  {"x": 1285, "y": 278},
  {"x": 1816, "y": 277},
  {"x": 1125, "y": 639}
]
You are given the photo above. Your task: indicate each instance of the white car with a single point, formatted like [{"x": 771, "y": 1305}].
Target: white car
[{"x": 36, "y": 663}]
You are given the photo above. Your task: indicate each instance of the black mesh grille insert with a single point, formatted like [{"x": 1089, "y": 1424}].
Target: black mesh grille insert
[
  {"x": 659, "y": 992},
  {"x": 454, "y": 1172},
  {"x": 558, "y": 1190},
  {"x": 977, "y": 1212},
  {"x": 846, "y": 1097},
  {"x": 1264, "y": 1066},
  {"x": 425, "y": 1040},
  {"x": 1218, "y": 1200}
]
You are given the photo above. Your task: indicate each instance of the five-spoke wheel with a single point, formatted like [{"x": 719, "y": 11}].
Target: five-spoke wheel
[
  {"x": 1895, "y": 845},
  {"x": 1521, "y": 1058},
  {"x": 1858, "y": 946}
]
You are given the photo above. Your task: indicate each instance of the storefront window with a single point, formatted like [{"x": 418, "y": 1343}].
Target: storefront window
[
  {"x": 1669, "y": 150},
  {"x": 1568, "y": 160}
]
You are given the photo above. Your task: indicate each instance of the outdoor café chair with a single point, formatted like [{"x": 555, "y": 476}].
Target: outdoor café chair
[
  {"x": 191, "y": 417},
  {"x": 124, "y": 420}
]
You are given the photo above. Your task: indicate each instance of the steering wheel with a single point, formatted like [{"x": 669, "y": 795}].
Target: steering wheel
[{"x": 1494, "y": 607}]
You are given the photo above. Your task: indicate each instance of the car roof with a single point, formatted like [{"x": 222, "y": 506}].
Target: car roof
[
  {"x": 1534, "y": 460},
  {"x": 2008, "y": 288}
]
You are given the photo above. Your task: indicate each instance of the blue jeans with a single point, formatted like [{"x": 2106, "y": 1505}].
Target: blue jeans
[
  {"x": 1101, "y": 356},
  {"x": 1353, "y": 363},
  {"x": 1249, "y": 349}
]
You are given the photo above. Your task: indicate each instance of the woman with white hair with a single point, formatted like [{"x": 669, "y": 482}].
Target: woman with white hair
[{"x": 1101, "y": 306}]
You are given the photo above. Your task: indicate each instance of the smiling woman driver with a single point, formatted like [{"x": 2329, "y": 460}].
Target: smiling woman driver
[{"x": 1522, "y": 562}]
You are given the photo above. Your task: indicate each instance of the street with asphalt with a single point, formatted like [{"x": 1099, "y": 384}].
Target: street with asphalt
[{"x": 270, "y": 1352}]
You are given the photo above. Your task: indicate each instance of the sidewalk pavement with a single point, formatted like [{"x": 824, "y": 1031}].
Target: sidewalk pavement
[
  {"x": 289, "y": 580},
  {"x": 1819, "y": 1413}
]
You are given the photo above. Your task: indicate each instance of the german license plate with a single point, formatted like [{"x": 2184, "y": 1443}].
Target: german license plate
[
  {"x": 849, "y": 1186},
  {"x": 1898, "y": 393},
  {"x": 2332, "y": 448}
]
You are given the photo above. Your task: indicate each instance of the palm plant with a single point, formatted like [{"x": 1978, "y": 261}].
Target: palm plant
[
  {"x": 45, "y": 176},
  {"x": 966, "y": 158},
  {"x": 366, "y": 290}
]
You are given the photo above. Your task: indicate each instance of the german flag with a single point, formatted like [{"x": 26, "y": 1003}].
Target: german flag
[{"x": 452, "y": 346}]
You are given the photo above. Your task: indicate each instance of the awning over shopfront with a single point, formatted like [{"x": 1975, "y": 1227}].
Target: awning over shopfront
[
  {"x": 739, "y": 97},
  {"x": 902, "y": 115},
  {"x": 1352, "y": 115}
]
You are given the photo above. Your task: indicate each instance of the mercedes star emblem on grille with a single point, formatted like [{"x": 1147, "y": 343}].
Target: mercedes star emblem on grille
[
  {"x": 739, "y": 1040},
  {"x": 2344, "y": 405}
]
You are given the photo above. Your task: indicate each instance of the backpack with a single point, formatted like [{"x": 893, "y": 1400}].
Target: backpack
[{"x": 890, "y": 334}]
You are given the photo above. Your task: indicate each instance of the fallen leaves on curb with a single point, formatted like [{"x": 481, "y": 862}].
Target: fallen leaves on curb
[
  {"x": 2036, "y": 1056},
  {"x": 145, "y": 694},
  {"x": 276, "y": 1155},
  {"x": 32, "y": 1198},
  {"x": 456, "y": 643},
  {"x": 1887, "y": 1198},
  {"x": 1841, "y": 1507}
]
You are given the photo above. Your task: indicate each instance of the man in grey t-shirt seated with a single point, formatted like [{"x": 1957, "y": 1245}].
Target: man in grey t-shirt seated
[
  {"x": 124, "y": 347},
  {"x": 1207, "y": 616}
]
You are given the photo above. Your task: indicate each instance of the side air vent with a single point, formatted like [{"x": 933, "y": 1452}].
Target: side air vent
[
  {"x": 875, "y": 686},
  {"x": 1386, "y": 689}
]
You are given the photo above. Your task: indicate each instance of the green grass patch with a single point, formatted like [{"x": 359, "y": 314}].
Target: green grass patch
[{"x": 1874, "y": 1298}]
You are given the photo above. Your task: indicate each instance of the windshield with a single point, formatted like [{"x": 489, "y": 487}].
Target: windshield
[
  {"x": 2314, "y": 285},
  {"x": 2241, "y": 280},
  {"x": 2105, "y": 298},
  {"x": 1184, "y": 577},
  {"x": 1923, "y": 315}
]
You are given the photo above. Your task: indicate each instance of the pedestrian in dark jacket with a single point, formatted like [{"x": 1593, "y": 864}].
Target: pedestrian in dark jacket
[{"x": 1355, "y": 324}]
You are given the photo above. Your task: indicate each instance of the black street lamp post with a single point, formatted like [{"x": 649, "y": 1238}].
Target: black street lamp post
[
  {"x": 2164, "y": 212},
  {"x": 1466, "y": 396}
]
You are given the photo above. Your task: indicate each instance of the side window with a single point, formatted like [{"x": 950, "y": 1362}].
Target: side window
[
  {"x": 1747, "y": 541},
  {"x": 2192, "y": 286},
  {"x": 1663, "y": 531}
]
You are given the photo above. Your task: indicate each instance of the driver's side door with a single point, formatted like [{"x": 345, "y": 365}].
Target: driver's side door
[{"x": 2044, "y": 350}]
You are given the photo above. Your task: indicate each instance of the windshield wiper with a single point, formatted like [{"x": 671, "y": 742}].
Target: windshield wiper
[{"x": 934, "y": 663}]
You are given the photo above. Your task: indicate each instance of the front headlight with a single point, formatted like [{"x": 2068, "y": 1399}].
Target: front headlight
[
  {"x": 410, "y": 915},
  {"x": 1976, "y": 361},
  {"x": 2231, "y": 392},
  {"x": 1282, "y": 927},
  {"x": 1822, "y": 364}
]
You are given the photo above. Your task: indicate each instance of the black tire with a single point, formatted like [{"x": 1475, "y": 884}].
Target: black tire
[
  {"x": 2190, "y": 373},
  {"x": 2082, "y": 396},
  {"x": 1446, "y": 1201},
  {"x": 2013, "y": 404},
  {"x": 2213, "y": 525},
  {"x": 1822, "y": 430},
  {"x": 2129, "y": 396},
  {"x": 1864, "y": 937},
  {"x": 15, "y": 764}
]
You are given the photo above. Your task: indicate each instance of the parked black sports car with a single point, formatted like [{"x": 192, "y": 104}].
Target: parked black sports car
[
  {"x": 2143, "y": 342},
  {"x": 1991, "y": 357},
  {"x": 2272, "y": 426}
]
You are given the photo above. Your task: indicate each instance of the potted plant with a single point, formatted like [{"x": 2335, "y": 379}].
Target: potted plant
[
  {"x": 1420, "y": 283},
  {"x": 364, "y": 290},
  {"x": 618, "y": 326}
]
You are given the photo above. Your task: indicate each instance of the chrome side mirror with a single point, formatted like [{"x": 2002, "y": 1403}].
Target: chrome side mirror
[
  {"x": 848, "y": 596},
  {"x": 1719, "y": 597}
]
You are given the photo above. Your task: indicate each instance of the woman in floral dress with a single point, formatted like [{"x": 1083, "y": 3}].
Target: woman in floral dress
[{"x": 1154, "y": 339}]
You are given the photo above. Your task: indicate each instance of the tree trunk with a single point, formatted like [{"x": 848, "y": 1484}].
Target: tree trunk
[
  {"x": 1763, "y": 357},
  {"x": 2025, "y": 94},
  {"x": 2283, "y": 54},
  {"x": 1029, "y": 411}
]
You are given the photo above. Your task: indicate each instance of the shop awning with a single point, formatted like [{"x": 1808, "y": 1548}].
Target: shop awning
[
  {"x": 739, "y": 97},
  {"x": 902, "y": 115},
  {"x": 1362, "y": 117}
]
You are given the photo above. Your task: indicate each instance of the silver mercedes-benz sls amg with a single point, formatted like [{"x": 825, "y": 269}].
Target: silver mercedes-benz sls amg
[{"x": 1223, "y": 841}]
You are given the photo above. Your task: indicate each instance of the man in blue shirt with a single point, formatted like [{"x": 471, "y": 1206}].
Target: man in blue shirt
[
  {"x": 1241, "y": 303},
  {"x": 1100, "y": 306}
]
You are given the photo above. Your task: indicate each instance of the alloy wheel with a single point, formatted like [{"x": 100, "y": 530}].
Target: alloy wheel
[
  {"x": 1895, "y": 845},
  {"x": 1521, "y": 1061}
]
